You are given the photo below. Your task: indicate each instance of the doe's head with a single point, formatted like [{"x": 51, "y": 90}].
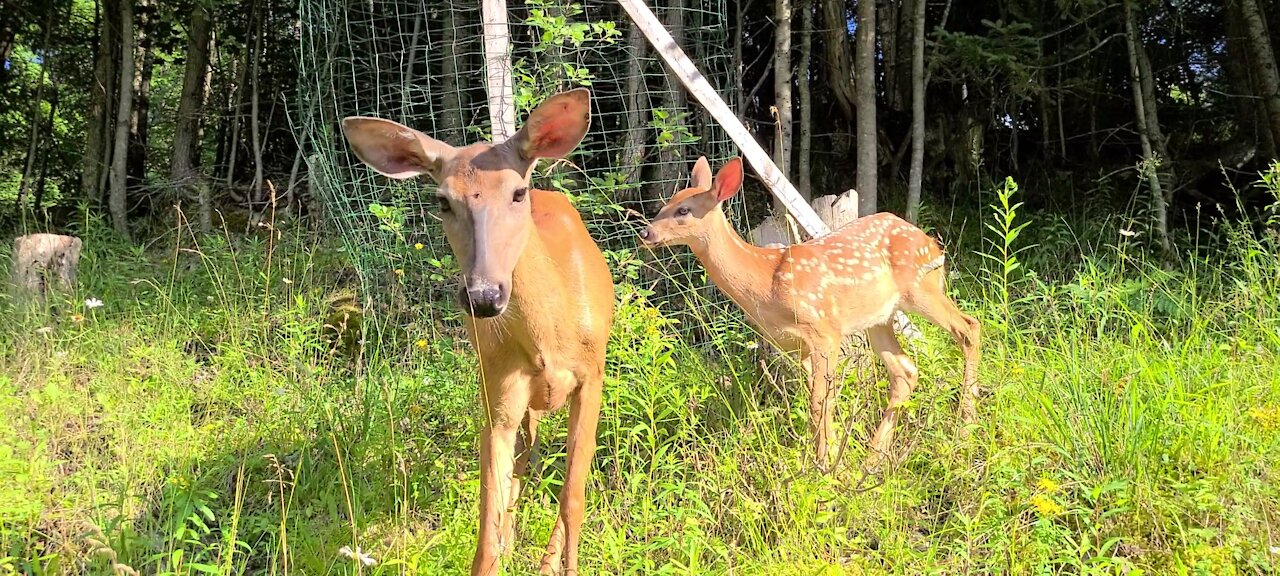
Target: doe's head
[
  {"x": 686, "y": 217},
  {"x": 483, "y": 188}
]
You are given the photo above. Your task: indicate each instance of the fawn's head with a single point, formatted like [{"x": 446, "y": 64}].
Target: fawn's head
[
  {"x": 685, "y": 218},
  {"x": 483, "y": 188}
]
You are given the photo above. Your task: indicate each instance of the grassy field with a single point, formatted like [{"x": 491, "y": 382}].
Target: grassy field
[{"x": 201, "y": 421}]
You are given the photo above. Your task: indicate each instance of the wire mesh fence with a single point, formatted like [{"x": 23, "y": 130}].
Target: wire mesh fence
[{"x": 420, "y": 63}]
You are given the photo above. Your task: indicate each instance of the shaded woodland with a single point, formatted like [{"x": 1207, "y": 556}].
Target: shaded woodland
[{"x": 118, "y": 110}]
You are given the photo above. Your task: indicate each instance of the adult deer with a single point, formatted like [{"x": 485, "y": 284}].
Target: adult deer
[
  {"x": 806, "y": 297},
  {"x": 539, "y": 297}
]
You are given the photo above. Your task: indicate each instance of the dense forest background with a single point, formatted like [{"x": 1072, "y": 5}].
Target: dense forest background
[{"x": 1159, "y": 109}]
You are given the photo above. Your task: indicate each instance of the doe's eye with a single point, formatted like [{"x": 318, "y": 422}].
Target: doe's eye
[
  {"x": 683, "y": 211},
  {"x": 519, "y": 195},
  {"x": 444, "y": 204}
]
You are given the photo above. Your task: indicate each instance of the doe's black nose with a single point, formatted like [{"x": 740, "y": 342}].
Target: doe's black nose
[{"x": 483, "y": 300}]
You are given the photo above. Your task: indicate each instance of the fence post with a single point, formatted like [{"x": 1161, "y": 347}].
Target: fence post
[
  {"x": 497, "y": 66},
  {"x": 684, "y": 69}
]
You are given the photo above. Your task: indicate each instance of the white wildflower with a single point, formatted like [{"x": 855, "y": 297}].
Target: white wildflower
[
  {"x": 358, "y": 555},
  {"x": 44, "y": 330},
  {"x": 1275, "y": 549},
  {"x": 1127, "y": 233},
  {"x": 92, "y": 303}
]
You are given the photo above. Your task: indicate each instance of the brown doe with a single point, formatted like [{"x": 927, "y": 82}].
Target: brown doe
[
  {"x": 806, "y": 297},
  {"x": 539, "y": 297}
]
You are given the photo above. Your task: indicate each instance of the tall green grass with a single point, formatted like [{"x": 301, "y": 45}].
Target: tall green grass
[{"x": 204, "y": 420}]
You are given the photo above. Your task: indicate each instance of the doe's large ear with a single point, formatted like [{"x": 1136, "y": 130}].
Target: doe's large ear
[
  {"x": 728, "y": 179},
  {"x": 701, "y": 177},
  {"x": 394, "y": 149},
  {"x": 556, "y": 126}
]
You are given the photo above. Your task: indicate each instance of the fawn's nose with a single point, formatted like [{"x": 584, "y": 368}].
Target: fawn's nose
[
  {"x": 483, "y": 299},
  {"x": 648, "y": 235}
]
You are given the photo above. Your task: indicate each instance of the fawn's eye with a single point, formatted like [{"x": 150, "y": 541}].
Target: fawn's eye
[
  {"x": 444, "y": 203},
  {"x": 683, "y": 211},
  {"x": 520, "y": 195}
]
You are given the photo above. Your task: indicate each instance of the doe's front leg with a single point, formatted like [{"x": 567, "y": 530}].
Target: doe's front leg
[
  {"x": 584, "y": 414},
  {"x": 525, "y": 450},
  {"x": 505, "y": 407}
]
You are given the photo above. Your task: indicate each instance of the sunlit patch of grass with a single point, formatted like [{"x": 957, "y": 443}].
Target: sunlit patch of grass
[{"x": 205, "y": 419}]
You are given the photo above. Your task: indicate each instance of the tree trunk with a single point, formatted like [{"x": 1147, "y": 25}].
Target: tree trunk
[
  {"x": 804, "y": 178},
  {"x": 51, "y": 143},
  {"x": 865, "y": 75},
  {"x": 186, "y": 138},
  {"x": 1046, "y": 123},
  {"x": 739, "y": 32},
  {"x": 124, "y": 110},
  {"x": 237, "y": 106},
  {"x": 637, "y": 124},
  {"x": 407, "y": 74},
  {"x": 1159, "y": 143},
  {"x": 1264, "y": 60},
  {"x": 886, "y": 32},
  {"x": 782, "y": 87},
  {"x": 1250, "y": 112},
  {"x": 33, "y": 141},
  {"x": 8, "y": 36},
  {"x": 671, "y": 158},
  {"x": 99, "y": 113},
  {"x": 111, "y": 20},
  {"x": 1062, "y": 129},
  {"x": 450, "y": 81},
  {"x": 256, "y": 191},
  {"x": 46, "y": 148},
  {"x": 293, "y": 174},
  {"x": 835, "y": 22},
  {"x": 1150, "y": 160},
  {"x": 140, "y": 123},
  {"x": 915, "y": 176},
  {"x": 1147, "y": 76}
]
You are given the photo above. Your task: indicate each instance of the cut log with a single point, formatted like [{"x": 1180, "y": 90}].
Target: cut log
[
  {"x": 44, "y": 262},
  {"x": 834, "y": 210}
]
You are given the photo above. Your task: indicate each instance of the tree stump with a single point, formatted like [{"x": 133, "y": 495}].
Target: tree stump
[{"x": 44, "y": 262}]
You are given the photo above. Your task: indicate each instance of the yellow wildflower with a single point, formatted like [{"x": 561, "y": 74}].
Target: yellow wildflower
[
  {"x": 77, "y": 318},
  {"x": 1268, "y": 418},
  {"x": 1048, "y": 485},
  {"x": 1046, "y": 506},
  {"x": 399, "y": 271},
  {"x": 418, "y": 246},
  {"x": 421, "y": 343}
]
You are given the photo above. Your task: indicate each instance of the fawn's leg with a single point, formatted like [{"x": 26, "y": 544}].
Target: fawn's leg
[
  {"x": 584, "y": 414},
  {"x": 902, "y": 379},
  {"x": 930, "y": 300},
  {"x": 822, "y": 393}
]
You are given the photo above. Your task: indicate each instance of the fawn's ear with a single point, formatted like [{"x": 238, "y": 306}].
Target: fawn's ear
[
  {"x": 701, "y": 177},
  {"x": 728, "y": 179},
  {"x": 556, "y": 126},
  {"x": 394, "y": 149}
]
